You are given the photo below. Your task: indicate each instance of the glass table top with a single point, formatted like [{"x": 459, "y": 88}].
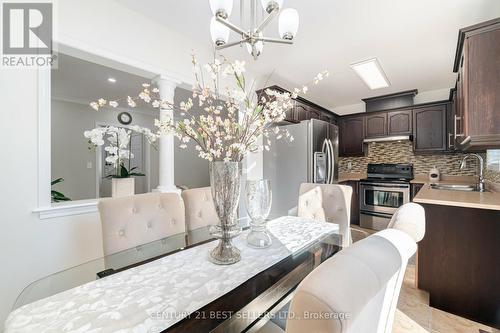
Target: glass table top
[{"x": 120, "y": 261}]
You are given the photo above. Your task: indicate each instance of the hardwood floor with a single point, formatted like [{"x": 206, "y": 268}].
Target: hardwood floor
[{"x": 414, "y": 315}]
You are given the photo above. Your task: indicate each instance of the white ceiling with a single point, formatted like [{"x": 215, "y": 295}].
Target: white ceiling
[
  {"x": 83, "y": 81},
  {"x": 414, "y": 41}
]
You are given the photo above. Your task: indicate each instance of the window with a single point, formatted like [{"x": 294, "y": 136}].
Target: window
[{"x": 493, "y": 160}]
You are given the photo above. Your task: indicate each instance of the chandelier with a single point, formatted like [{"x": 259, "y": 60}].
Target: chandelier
[{"x": 253, "y": 37}]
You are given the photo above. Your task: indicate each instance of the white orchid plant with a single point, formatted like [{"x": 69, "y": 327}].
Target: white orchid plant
[
  {"x": 118, "y": 146},
  {"x": 233, "y": 119}
]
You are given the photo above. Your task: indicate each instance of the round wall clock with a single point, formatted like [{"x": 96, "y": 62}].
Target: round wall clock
[{"x": 124, "y": 118}]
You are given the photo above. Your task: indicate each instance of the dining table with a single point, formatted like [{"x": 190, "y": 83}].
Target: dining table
[{"x": 170, "y": 285}]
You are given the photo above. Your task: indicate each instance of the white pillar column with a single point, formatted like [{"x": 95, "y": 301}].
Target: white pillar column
[{"x": 166, "y": 142}]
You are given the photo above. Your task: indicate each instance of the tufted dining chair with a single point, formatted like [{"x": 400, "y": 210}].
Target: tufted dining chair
[
  {"x": 327, "y": 203},
  {"x": 358, "y": 288},
  {"x": 200, "y": 210},
  {"x": 409, "y": 218},
  {"x": 131, "y": 221}
]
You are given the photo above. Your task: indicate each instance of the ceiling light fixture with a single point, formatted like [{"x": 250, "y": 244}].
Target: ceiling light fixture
[
  {"x": 253, "y": 38},
  {"x": 111, "y": 79},
  {"x": 371, "y": 73}
]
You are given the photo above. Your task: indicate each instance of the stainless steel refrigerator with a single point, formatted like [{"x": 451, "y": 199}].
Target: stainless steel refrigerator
[{"x": 312, "y": 157}]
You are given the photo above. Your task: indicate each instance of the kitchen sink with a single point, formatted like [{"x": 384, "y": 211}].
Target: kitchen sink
[{"x": 454, "y": 187}]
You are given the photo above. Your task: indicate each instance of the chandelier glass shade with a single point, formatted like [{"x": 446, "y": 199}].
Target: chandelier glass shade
[
  {"x": 252, "y": 36},
  {"x": 221, "y": 7},
  {"x": 288, "y": 23},
  {"x": 219, "y": 32}
]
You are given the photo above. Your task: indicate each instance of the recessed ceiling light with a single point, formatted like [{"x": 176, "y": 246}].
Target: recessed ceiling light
[
  {"x": 371, "y": 73},
  {"x": 112, "y": 79}
]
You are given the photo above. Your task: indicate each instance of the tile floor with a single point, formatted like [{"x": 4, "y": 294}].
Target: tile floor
[{"x": 414, "y": 315}]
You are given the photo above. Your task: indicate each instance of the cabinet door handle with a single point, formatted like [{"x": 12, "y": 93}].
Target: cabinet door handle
[
  {"x": 455, "y": 127},
  {"x": 450, "y": 136}
]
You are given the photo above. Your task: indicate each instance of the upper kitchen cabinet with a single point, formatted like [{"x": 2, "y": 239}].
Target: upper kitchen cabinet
[
  {"x": 399, "y": 122},
  {"x": 376, "y": 125},
  {"x": 303, "y": 109},
  {"x": 429, "y": 129},
  {"x": 352, "y": 134},
  {"x": 477, "y": 103}
]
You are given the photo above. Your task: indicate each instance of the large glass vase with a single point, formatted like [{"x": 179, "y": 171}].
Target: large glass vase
[{"x": 225, "y": 183}]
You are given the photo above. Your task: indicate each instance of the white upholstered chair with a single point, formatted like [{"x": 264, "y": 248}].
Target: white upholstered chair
[
  {"x": 131, "y": 221},
  {"x": 409, "y": 218},
  {"x": 327, "y": 203},
  {"x": 200, "y": 210},
  {"x": 358, "y": 287}
]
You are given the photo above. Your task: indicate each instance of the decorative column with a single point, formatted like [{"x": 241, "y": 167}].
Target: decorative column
[{"x": 166, "y": 184}]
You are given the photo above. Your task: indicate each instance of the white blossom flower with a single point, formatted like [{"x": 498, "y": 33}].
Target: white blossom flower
[
  {"x": 94, "y": 105},
  {"x": 221, "y": 130},
  {"x": 131, "y": 102}
]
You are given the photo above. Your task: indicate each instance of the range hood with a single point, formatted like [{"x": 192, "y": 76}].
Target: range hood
[{"x": 389, "y": 138}]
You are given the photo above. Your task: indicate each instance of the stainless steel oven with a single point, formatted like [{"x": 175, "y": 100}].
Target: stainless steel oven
[{"x": 380, "y": 200}]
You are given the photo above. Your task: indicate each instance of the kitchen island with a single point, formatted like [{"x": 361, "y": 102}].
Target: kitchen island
[{"x": 459, "y": 257}]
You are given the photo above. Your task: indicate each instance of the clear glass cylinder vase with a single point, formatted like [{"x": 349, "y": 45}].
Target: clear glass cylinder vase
[
  {"x": 225, "y": 183},
  {"x": 258, "y": 200}
]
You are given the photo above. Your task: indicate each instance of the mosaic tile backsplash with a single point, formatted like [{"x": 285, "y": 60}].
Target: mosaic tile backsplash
[{"x": 402, "y": 152}]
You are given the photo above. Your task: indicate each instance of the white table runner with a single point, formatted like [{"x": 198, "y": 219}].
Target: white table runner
[{"x": 156, "y": 295}]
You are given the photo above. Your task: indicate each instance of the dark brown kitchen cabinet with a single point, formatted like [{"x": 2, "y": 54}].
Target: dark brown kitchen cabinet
[
  {"x": 302, "y": 109},
  {"x": 354, "y": 200},
  {"x": 415, "y": 188},
  {"x": 477, "y": 104},
  {"x": 450, "y": 120},
  {"x": 429, "y": 129},
  {"x": 458, "y": 261},
  {"x": 313, "y": 114},
  {"x": 399, "y": 122},
  {"x": 376, "y": 125},
  {"x": 301, "y": 112},
  {"x": 352, "y": 134},
  {"x": 324, "y": 117}
]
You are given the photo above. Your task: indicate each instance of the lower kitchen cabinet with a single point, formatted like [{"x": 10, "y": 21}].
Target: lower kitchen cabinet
[
  {"x": 458, "y": 261},
  {"x": 414, "y": 188},
  {"x": 354, "y": 201}
]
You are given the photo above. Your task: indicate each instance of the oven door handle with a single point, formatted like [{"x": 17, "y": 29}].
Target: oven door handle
[
  {"x": 376, "y": 214},
  {"x": 374, "y": 185}
]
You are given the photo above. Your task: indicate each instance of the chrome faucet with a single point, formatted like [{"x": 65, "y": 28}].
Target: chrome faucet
[{"x": 480, "y": 182}]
